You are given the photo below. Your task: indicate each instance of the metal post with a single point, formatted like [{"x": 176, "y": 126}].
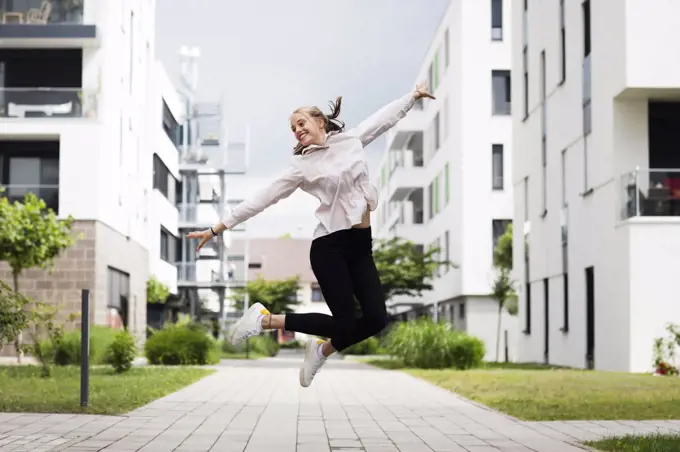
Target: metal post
[
  {"x": 85, "y": 349},
  {"x": 507, "y": 357}
]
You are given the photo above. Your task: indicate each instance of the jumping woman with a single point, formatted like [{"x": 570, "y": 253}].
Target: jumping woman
[{"x": 329, "y": 164}]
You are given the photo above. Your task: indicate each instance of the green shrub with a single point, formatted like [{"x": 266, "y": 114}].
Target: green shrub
[
  {"x": 368, "y": 347},
  {"x": 122, "y": 352},
  {"x": 68, "y": 351},
  {"x": 181, "y": 345},
  {"x": 264, "y": 345},
  {"x": 228, "y": 347},
  {"x": 294, "y": 344},
  {"x": 428, "y": 345}
]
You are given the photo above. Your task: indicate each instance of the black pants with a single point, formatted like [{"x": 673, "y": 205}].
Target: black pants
[{"x": 343, "y": 265}]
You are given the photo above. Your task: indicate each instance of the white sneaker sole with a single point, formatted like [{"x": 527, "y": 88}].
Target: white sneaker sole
[
  {"x": 311, "y": 348},
  {"x": 253, "y": 311}
]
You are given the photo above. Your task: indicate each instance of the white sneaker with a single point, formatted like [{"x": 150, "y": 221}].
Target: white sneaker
[
  {"x": 249, "y": 324},
  {"x": 312, "y": 363}
]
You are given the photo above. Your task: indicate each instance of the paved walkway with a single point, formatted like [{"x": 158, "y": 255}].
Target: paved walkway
[{"x": 258, "y": 406}]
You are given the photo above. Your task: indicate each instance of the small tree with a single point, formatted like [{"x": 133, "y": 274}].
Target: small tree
[
  {"x": 156, "y": 291},
  {"x": 503, "y": 286},
  {"x": 279, "y": 296},
  {"x": 31, "y": 236},
  {"x": 13, "y": 316},
  {"x": 46, "y": 334},
  {"x": 405, "y": 270}
]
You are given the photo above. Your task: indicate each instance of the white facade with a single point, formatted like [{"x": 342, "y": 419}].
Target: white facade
[
  {"x": 81, "y": 119},
  {"x": 606, "y": 100},
  {"x": 440, "y": 183}
]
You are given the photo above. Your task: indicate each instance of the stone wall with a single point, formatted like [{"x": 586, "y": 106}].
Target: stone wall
[{"x": 85, "y": 266}]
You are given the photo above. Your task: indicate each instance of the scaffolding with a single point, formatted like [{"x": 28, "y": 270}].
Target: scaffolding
[{"x": 208, "y": 159}]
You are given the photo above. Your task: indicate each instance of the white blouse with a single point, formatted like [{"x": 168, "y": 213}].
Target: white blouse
[{"x": 335, "y": 173}]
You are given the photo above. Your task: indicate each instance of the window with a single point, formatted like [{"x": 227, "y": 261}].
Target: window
[
  {"x": 132, "y": 50},
  {"x": 317, "y": 295},
  {"x": 435, "y": 71},
  {"x": 526, "y": 198},
  {"x": 497, "y": 20},
  {"x": 446, "y": 48},
  {"x": 461, "y": 311},
  {"x": 446, "y": 184},
  {"x": 435, "y": 192},
  {"x": 544, "y": 137},
  {"x": 169, "y": 246},
  {"x": 501, "y": 92},
  {"x": 430, "y": 78},
  {"x": 430, "y": 196},
  {"x": 497, "y": 167},
  {"x": 163, "y": 180},
  {"x": 525, "y": 57},
  {"x": 498, "y": 229},
  {"x": 447, "y": 253},
  {"x": 118, "y": 297},
  {"x": 563, "y": 44},
  {"x": 254, "y": 265},
  {"x": 445, "y": 120},
  {"x": 437, "y": 132},
  {"x": 171, "y": 127},
  {"x": 565, "y": 306},
  {"x": 587, "y": 113},
  {"x": 31, "y": 170},
  {"x": 527, "y": 311}
]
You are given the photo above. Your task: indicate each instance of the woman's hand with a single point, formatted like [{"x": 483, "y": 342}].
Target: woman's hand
[
  {"x": 421, "y": 91},
  {"x": 205, "y": 237}
]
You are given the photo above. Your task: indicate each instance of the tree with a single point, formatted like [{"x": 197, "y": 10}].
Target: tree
[
  {"x": 13, "y": 315},
  {"x": 405, "y": 270},
  {"x": 278, "y": 296},
  {"x": 503, "y": 286},
  {"x": 31, "y": 236},
  {"x": 156, "y": 291}
]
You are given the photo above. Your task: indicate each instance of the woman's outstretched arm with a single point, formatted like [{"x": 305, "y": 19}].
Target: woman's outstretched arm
[
  {"x": 281, "y": 188},
  {"x": 385, "y": 118}
]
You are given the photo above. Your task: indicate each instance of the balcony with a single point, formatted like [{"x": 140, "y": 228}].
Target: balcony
[
  {"x": 45, "y": 23},
  {"x": 650, "y": 193},
  {"x": 47, "y": 103},
  {"x": 48, "y": 193},
  {"x": 203, "y": 215},
  {"x": 204, "y": 274}
]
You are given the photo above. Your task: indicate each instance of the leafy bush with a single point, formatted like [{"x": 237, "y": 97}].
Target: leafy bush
[
  {"x": 181, "y": 345},
  {"x": 122, "y": 351},
  {"x": 228, "y": 347},
  {"x": 264, "y": 344},
  {"x": 428, "y": 345},
  {"x": 68, "y": 350},
  {"x": 294, "y": 344},
  {"x": 370, "y": 346}
]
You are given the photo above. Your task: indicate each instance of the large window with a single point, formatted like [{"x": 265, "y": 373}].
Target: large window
[
  {"x": 170, "y": 125},
  {"x": 501, "y": 92},
  {"x": 30, "y": 167},
  {"x": 497, "y": 20},
  {"x": 499, "y": 227},
  {"x": 118, "y": 297},
  {"x": 169, "y": 246},
  {"x": 163, "y": 180},
  {"x": 497, "y": 167}
]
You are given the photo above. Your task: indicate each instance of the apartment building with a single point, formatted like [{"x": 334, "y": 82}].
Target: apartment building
[
  {"x": 595, "y": 104},
  {"x": 81, "y": 126},
  {"x": 445, "y": 178},
  {"x": 275, "y": 259}
]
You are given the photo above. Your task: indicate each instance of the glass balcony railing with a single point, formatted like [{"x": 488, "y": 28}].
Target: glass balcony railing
[
  {"x": 17, "y": 192},
  {"x": 41, "y": 12},
  {"x": 47, "y": 103},
  {"x": 206, "y": 272},
  {"x": 650, "y": 193}
]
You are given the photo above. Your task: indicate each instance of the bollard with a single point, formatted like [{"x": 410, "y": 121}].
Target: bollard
[
  {"x": 85, "y": 348},
  {"x": 506, "y": 346}
]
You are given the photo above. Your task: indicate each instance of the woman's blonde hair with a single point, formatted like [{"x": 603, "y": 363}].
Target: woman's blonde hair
[{"x": 331, "y": 121}]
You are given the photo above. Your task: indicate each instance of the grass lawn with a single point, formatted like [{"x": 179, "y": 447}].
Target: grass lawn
[
  {"x": 22, "y": 389},
  {"x": 646, "y": 443},
  {"x": 536, "y": 392}
]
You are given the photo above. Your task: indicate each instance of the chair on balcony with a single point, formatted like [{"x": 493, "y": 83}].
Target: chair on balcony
[{"x": 39, "y": 15}]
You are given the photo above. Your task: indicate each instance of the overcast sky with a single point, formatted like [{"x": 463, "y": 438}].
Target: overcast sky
[{"x": 267, "y": 57}]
